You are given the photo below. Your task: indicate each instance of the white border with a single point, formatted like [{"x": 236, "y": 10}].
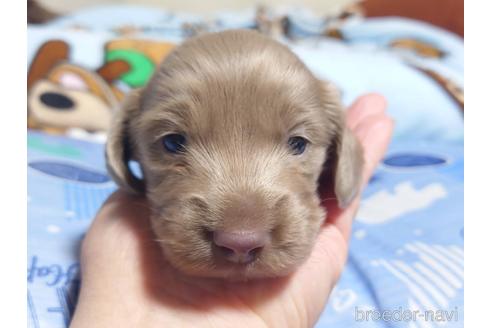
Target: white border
[
  {"x": 13, "y": 235},
  {"x": 478, "y": 163}
]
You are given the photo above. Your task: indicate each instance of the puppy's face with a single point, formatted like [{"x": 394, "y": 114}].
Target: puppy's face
[{"x": 232, "y": 134}]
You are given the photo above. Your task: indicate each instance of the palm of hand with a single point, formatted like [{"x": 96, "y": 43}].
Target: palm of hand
[{"x": 128, "y": 283}]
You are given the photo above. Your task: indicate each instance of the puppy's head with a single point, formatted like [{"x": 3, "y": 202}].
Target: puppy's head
[{"x": 232, "y": 134}]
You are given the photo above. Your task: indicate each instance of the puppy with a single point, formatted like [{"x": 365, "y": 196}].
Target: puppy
[{"x": 232, "y": 133}]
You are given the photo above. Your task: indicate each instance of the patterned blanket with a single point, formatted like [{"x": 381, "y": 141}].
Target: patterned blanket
[{"x": 406, "y": 253}]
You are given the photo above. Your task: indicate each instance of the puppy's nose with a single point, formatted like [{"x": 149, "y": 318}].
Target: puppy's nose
[{"x": 240, "y": 246}]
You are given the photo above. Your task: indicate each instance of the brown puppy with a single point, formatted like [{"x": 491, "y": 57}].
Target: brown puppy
[{"x": 232, "y": 134}]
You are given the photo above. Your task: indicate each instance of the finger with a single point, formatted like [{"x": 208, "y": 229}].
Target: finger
[
  {"x": 319, "y": 274},
  {"x": 322, "y": 269},
  {"x": 121, "y": 204},
  {"x": 375, "y": 135},
  {"x": 345, "y": 218},
  {"x": 364, "y": 106}
]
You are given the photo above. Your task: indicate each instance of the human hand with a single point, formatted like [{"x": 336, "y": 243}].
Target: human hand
[{"x": 126, "y": 281}]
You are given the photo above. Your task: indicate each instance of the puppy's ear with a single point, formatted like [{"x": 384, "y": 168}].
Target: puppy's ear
[
  {"x": 120, "y": 145},
  {"x": 345, "y": 156}
]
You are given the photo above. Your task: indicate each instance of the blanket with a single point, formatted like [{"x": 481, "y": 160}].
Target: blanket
[{"x": 405, "y": 266}]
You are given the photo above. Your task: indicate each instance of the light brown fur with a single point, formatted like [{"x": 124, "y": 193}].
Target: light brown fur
[{"x": 237, "y": 96}]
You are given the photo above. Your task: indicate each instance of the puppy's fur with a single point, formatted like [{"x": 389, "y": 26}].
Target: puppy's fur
[{"x": 237, "y": 96}]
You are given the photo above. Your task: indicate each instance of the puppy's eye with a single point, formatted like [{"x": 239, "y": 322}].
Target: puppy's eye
[
  {"x": 297, "y": 145},
  {"x": 174, "y": 143}
]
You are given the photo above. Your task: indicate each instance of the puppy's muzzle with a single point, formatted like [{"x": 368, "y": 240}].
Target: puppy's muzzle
[{"x": 240, "y": 246}]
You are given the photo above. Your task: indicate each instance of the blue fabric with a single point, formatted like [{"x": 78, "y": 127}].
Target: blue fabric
[
  {"x": 362, "y": 63},
  {"x": 407, "y": 240},
  {"x": 408, "y": 234},
  {"x": 407, "y": 245}
]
